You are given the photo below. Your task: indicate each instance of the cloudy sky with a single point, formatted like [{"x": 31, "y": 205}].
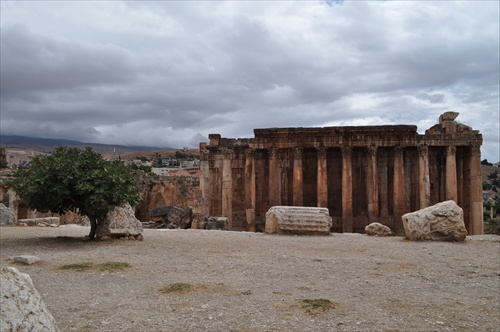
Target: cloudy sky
[{"x": 169, "y": 73}]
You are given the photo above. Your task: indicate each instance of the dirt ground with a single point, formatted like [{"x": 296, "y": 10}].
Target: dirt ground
[{"x": 238, "y": 281}]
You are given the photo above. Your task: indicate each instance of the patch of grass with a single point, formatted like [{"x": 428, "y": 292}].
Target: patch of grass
[
  {"x": 317, "y": 306},
  {"x": 178, "y": 287},
  {"x": 85, "y": 266},
  {"x": 77, "y": 266},
  {"x": 113, "y": 266},
  {"x": 400, "y": 234}
]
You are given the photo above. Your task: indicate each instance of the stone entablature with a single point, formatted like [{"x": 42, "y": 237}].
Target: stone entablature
[{"x": 361, "y": 174}]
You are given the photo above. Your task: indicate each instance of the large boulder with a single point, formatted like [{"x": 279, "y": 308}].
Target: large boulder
[
  {"x": 120, "y": 222},
  {"x": 298, "y": 220},
  {"x": 7, "y": 217},
  {"x": 441, "y": 222},
  {"x": 377, "y": 229},
  {"x": 21, "y": 307}
]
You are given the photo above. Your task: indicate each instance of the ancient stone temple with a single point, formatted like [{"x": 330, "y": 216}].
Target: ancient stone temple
[{"x": 361, "y": 174}]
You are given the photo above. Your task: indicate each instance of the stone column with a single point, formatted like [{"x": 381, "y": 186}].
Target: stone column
[
  {"x": 274, "y": 194},
  {"x": 298, "y": 182},
  {"x": 460, "y": 178},
  {"x": 322, "y": 178},
  {"x": 476, "y": 192},
  {"x": 250, "y": 190},
  {"x": 372, "y": 184},
  {"x": 347, "y": 213},
  {"x": 451, "y": 174},
  {"x": 399, "y": 188},
  {"x": 424, "y": 188},
  {"x": 204, "y": 180},
  {"x": 227, "y": 189},
  {"x": 384, "y": 188}
]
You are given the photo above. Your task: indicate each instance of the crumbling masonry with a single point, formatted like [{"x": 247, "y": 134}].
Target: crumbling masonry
[{"x": 361, "y": 174}]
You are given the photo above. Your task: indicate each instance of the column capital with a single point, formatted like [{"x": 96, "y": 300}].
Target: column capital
[
  {"x": 228, "y": 154},
  {"x": 322, "y": 151},
  {"x": 273, "y": 152},
  {"x": 372, "y": 150},
  {"x": 399, "y": 151},
  {"x": 475, "y": 150},
  {"x": 298, "y": 152},
  {"x": 451, "y": 150},
  {"x": 423, "y": 150},
  {"x": 250, "y": 153},
  {"x": 346, "y": 151}
]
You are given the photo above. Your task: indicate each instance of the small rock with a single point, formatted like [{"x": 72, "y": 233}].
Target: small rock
[
  {"x": 139, "y": 237},
  {"x": 26, "y": 259}
]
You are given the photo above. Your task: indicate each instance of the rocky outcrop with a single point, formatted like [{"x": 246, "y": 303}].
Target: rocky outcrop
[
  {"x": 298, "y": 220},
  {"x": 441, "y": 222},
  {"x": 21, "y": 307},
  {"x": 377, "y": 229},
  {"x": 120, "y": 222},
  {"x": 7, "y": 217}
]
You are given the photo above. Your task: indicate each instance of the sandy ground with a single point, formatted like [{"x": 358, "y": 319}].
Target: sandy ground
[{"x": 257, "y": 282}]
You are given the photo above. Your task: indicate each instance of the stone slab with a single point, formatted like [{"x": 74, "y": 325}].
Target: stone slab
[{"x": 298, "y": 220}]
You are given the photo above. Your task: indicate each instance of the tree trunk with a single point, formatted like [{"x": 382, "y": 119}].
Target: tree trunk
[{"x": 93, "y": 227}]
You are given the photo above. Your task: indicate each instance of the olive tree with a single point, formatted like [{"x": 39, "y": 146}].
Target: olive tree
[{"x": 75, "y": 180}]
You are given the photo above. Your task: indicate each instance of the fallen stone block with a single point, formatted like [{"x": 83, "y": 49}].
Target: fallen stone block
[
  {"x": 120, "y": 222},
  {"x": 441, "y": 222},
  {"x": 377, "y": 229},
  {"x": 298, "y": 220}
]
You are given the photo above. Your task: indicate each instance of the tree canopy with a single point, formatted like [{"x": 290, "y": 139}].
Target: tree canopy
[{"x": 75, "y": 180}]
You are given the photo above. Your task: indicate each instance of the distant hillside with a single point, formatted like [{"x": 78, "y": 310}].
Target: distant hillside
[{"x": 48, "y": 144}]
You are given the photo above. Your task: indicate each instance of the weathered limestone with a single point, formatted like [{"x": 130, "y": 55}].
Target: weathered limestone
[
  {"x": 360, "y": 174},
  {"x": 441, "y": 222},
  {"x": 298, "y": 220},
  {"x": 171, "y": 217},
  {"x": 49, "y": 221},
  {"x": 26, "y": 259},
  {"x": 377, "y": 229},
  {"x": 21, "y": 307},
  {"x": 215, "y": 223},
  {"x": 7, "y": 217},
  {"x": 119, "y": 222}
]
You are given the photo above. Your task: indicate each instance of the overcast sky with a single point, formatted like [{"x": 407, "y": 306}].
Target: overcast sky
[{"x": 169, "y": 73}]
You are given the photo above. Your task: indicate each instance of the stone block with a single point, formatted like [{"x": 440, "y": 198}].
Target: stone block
[
  {"x": 377, "y": 229},
  {"x": 119, "y": 222},
  {"x": 441, "y": 222},
  {"x": 298, "y": 220}
]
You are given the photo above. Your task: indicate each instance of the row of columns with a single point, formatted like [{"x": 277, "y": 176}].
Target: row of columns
[{"x": 451, "y": 184}]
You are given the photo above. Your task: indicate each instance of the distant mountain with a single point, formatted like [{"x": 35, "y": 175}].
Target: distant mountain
[{"x": 49, "y": 144}]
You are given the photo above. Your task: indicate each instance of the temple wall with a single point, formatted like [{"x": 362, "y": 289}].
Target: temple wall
[{"x": 361, "y": 174}]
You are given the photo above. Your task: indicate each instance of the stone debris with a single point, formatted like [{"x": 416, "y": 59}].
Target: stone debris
[
  {"x": 214, "y": 223},
  {"x": 7, "y": 217},
  {"x": 298, "y": 220},
  {"x": 377, "y": 229},
  {"x": 121, "y": 222},
  {"x": 21, "y": 307},
  {"x": 172, "y": 217},
  {"x": 26, "y": 259},
  {"x": 441, "y": 222},
  {"x": 42, "y": 222}
]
